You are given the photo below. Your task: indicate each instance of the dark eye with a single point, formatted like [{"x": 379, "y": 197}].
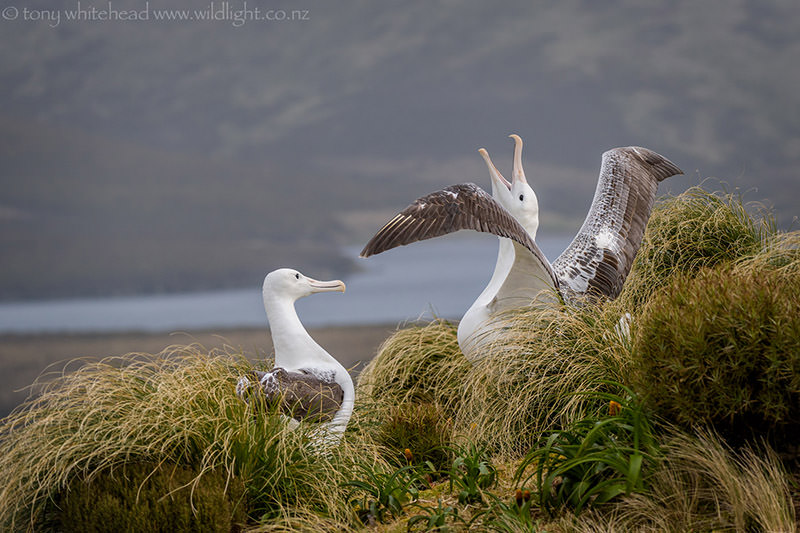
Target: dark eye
[
  {"x": 297, "y": 276},
  {"x": 521, "y": 197}
]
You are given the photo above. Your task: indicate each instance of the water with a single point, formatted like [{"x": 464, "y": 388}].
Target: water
[{"x": 440, "y": 276}]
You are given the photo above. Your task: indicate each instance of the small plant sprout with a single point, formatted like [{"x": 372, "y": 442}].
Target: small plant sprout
[
  {"x": 471, "y": 473},
  {"x": 382, "y": 493}
]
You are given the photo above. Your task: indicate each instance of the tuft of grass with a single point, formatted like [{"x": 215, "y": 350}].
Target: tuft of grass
[
  {"x": 690, "y": 231},
  {"x": 525, "y": 385},
  {"x": 421, "y": 364},
  {"x": 722, "y": 348},
  {"x": 177, "y": 407},
  {"x": 702, "y": 485},
  {"x": 417, "y": 433},
  {"x": 471, "y": 474}
]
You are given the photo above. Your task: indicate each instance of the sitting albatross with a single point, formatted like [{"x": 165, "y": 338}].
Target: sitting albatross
[
  {"x": 307, "y": 382},
  {"x": 595, "y": 264}
]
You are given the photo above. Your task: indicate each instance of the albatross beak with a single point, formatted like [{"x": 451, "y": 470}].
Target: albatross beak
[
  {"x": 326, "y": 286},
  {"x": 497, "y": 179},
  {"x": 517, "y": 174}
]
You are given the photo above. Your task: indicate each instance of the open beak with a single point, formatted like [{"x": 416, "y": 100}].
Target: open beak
[
  {"x": 326, "y": 286},
  {"x": 517, "y": 174},
  {"x": 498, "y": 180}
]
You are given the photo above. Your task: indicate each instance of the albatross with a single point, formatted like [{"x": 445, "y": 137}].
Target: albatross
[
  {"x": 307, "y": 383},
  {"x": 594, "y": 265}
]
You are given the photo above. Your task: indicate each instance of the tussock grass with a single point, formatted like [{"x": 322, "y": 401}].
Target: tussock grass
[
  {"x": 420, "y": 429},
  {"x": 417, "y": 364},
  {"x": 527, "y": 382},
  {"x": 690, "y": 231},
  {"x": 177, "y": 408},
  {"x": 703, "y": 485},
  {"x": 176, "y": 499}
]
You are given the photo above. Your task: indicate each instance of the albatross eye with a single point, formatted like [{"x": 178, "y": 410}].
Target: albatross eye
[
  {"x": 297, "y": 276},
  {"x": 521, "y": 197}
]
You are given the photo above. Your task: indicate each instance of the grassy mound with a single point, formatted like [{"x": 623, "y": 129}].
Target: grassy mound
[
  {"x": 418, "y": 364},
  {"x": 690, "y": 231},
  {"x": 180, "y": 408},
  {"x": 418, "y": 431},
  {"x": 722, "y": 349}
]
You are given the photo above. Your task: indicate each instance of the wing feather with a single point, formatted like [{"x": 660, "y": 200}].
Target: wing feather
[
  {"x": 458, "y": 207},
  {"x": 599, "y": 258},
  {"x": 301, "y": 394}
]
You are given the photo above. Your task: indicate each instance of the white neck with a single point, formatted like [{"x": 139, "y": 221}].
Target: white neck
[
  {"x": 478, "y": 313},
  {"x": 294, "y": 347}
]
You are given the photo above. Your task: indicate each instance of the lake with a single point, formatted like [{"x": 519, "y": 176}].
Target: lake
[{"x": 438, "y": 277}]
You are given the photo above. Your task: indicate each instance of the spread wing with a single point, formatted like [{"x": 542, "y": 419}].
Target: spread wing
[
  {"x": 599, "y": 258},
  {"x": 301, "y": 394},
  {"x": 463, "y": 206}
]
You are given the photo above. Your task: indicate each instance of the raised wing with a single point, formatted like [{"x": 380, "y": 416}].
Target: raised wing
[
  {"x": 458, "y": 207},
  {"x": 300, "y": 394},
  {"x": 598, "y": 260}
]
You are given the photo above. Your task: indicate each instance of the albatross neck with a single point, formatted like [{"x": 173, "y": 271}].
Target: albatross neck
[{"x": 294, "y": 347}]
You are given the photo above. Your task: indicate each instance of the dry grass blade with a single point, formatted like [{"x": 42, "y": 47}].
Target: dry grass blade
[{"x": 703, "y": 485}]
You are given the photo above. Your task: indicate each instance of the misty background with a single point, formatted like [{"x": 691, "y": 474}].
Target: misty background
[{"x": 175, "y": 156}]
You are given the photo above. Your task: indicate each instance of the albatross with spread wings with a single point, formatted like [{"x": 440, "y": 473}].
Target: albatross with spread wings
[
  {"x": 307, "y": 382},
  {"x": 595, "y": 264}
]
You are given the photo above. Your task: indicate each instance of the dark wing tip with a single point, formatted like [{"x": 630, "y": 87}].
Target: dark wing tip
[{"x": 661, "y": 167}]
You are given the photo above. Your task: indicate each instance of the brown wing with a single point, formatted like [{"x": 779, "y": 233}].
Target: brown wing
[
  {"x": 458, "y": 207},
  {"x": 302, "y": 395},
  {"x": 599, "y": 258}
]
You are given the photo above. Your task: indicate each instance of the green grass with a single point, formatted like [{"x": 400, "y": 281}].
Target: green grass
[{"x": 712, "y": 348}]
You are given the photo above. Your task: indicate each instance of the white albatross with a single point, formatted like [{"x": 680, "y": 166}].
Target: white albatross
[
  {"x": 307, "y": 382},
  {"x": 595, "y": 264}
]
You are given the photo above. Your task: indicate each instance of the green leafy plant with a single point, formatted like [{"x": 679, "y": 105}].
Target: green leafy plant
[
  {"x": 470, "y": 473},
  {"x": 435, "y": 518},
  {"x": 512, "y": 517},
  {"x": 382, "y": 493},
  {"x": 596, "y": 459}
]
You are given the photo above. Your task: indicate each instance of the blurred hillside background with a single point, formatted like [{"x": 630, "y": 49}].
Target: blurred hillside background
[{"x": 164, "y": 156}]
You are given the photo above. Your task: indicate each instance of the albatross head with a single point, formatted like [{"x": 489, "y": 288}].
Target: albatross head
[
  {"x": 291, "y": 284},
  {"x": 517, "y": 197}
]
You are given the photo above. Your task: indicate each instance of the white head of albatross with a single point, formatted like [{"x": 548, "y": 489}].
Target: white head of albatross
[
  {"x": 308, "y": 382},
  {"x": 518, "y": 198}
]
